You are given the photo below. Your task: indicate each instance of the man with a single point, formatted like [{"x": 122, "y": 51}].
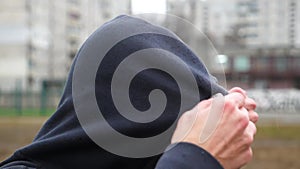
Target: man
[{"x": 77, "y": 135}]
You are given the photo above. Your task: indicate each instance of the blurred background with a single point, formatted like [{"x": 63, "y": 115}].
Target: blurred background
[{"x": 258, "y": 45}]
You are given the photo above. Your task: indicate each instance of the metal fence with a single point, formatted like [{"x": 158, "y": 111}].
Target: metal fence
[
  {"x": 29, "y": 102},
  {"x": 273, "y": 105}
]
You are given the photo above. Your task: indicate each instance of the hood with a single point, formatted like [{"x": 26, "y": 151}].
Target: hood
[{"x": 131, "y": 78}]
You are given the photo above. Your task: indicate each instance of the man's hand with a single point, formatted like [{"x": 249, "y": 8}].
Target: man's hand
[
  {"x": 231, "y": 138},
  {"x": 250, "y": 104}
]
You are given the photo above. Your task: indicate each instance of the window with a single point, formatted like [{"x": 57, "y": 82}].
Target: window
[
  {"x": 241, "y": 64},
  {"x": 224, "y": 60},
  {"x": 281, "y": 64}
]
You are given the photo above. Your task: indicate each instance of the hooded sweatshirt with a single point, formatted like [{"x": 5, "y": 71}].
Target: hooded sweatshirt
[{"x": 150, "y": 68}]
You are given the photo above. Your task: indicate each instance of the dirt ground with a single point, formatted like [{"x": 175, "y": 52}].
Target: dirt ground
[
  {"x": 16, "y": 132},
  {"x": 268, "y": 153}
]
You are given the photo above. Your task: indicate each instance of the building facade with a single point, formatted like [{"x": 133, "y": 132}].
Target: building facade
[
  {"x": 39, "y": 38},
  {"x": 32, "y": 43},
  {"x": 14, "y": 37}
]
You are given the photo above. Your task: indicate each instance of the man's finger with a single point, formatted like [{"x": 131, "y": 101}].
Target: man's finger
[
  {"x": 237, "y": 98},
  {"x": 250, "y": 104},
  {"x": 239, "y": 90},
  {"x": 253, "y": 116}
]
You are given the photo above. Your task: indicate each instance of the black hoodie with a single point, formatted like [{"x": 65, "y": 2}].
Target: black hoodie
[{"x": 65, "y": 141}]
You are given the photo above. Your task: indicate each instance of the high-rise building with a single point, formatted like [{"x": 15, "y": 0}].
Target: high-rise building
[
  {"x": 33, "y": 45},
  {"x": 14, "y": 34},
  {"x": 96, "y": 12},
  {"x": 47, "y": 44},
  {"x": 39, "y": 38},
  {"x": 254, "y": 23},
  {"x": 278, "y": 23}
]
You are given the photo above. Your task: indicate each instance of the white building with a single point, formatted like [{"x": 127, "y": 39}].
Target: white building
[
  {"x": 216, "y": 18},
  {"x": 13, "y": 40},
  {"x": 257, "y": 23},
  {"x": 32, "y": 43},
  {"x": 84, "y": 17},
  {"x": 39, "y": 38},
  {"x": 47, "y": 56},
  {"x": 96, "y": 12},
  {"x": 213, "y": 17},
  {"x": 279, "y": 23}
]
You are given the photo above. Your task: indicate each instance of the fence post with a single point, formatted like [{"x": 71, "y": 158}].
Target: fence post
[
  {"x": 43, "y": 98},
  {"x": 0, "y": 100},
  {"x": 18, "y": 97}
]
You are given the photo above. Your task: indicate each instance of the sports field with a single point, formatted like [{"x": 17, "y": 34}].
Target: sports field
[
  {"x": 276, "y": 146},
  {"x": 28, "y": 112}
]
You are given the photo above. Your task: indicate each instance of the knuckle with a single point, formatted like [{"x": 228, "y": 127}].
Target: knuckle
[
  {"x": 253, "y": 128},
  {"x": 235, "y": 99},
  {"x": 249, "y": 154},
  {"x": 253, "y": 103},
  {"x": 255, "y": 117},
  {"x": 229, "y": 105},
  {"x": 249, "y": 140},
  {"x": 240, "y": 97},
  {"x": 243, "y": 122},
  {"x": 239, "y": 90}
]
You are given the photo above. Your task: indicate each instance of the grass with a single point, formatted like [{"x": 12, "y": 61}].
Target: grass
[
  {"x": 8, "y": 112},
  {"x": 282, "y": 132}
]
